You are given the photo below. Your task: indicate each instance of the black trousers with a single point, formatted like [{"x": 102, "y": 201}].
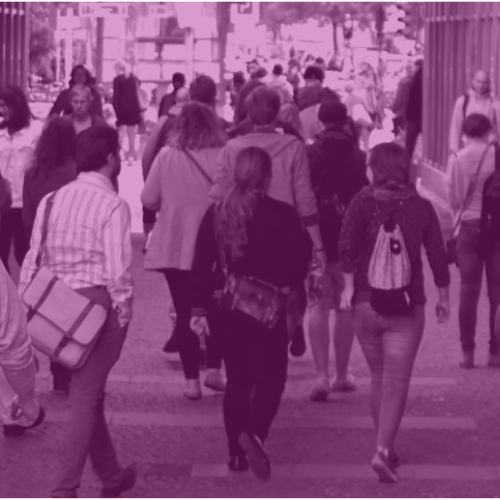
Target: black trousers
[
  {"x": 148, "y": 216},
  {"x": 12, "y": 230},
  {"x": 179, "y": 283},
  {"x": 413, "y": 130},
  {"x": 256, "y": 362}
]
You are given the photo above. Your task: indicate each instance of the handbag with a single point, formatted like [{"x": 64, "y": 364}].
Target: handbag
[
  {"x": 250, "y": 297},
  {"x": 451, "y": 244},
  {"x": 142, "y": 96},
  {"x": 62, "y": 323}
]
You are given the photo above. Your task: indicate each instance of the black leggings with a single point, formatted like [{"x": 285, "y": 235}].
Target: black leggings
[
  {"x": 179, "y": 283},
  {"x": 12, "y": 230},
  {"x": 256, "y": 362}
]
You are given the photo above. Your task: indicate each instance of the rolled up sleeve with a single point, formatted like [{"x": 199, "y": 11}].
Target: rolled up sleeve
[{"x": 118, "y": 261}]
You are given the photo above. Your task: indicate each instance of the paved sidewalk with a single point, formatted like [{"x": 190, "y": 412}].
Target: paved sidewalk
[{"x": 448, "y": 443}]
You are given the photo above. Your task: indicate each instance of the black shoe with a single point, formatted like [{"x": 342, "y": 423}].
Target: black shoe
[
  {"x": 172, "y": 346},
  {"x": 239, "y": 463},
  {"x": 128, "y": 482},
  {"x": 298, "y": 344},
  {"x": 259, "y": 461},
  {"x": 13, "y": 430}
]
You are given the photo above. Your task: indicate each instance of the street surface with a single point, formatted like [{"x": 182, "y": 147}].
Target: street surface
[{"x": 449, "y": 444}]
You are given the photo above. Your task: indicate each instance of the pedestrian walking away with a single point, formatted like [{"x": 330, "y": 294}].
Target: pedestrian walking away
[
  {"x": 290, "y": 182},
  {"x": 260, "y": 238},
  {"x": 53, "y": 167},
  {"x": 90, "y": 251},
  {"x": 177, "y": 187},
  {"x": 169, "y": 100},
  {"x": 380, "y": 246},
  {"x": 467, "y": 173},
  {"x": 18, "y": 136},
  {"x": 338, "y": 172}
]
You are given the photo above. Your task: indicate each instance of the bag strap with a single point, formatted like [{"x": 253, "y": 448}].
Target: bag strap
[
  {"x": 466, "y": 104},
  {"x": 470, "y": 191},
  {"x": 198, "y": 166},
  {"x": 45, "y": 228}
]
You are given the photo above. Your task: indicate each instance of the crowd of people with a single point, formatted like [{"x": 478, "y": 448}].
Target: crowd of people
[{"x": 250, "y": 223}]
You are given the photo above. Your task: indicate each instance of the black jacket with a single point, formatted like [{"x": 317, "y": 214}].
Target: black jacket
[
  {"x": 276, "y": 251},
  {"x": 338, "y": 172},
  {"x": 414, "y": 106}
]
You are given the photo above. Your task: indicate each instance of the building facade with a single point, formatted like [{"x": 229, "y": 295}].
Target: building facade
[{"x": 14, "y": 43}]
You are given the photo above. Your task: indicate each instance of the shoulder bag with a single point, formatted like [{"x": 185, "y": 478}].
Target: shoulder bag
[
  {"x": 451, "y": 244},
  {"x": 197, "y": 165},
  {"x": 250, "y": 297},
  {"x": 62, "y": 323}
]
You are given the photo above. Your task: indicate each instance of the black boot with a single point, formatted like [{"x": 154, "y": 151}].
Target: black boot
[{"x": 172, "y": 345}]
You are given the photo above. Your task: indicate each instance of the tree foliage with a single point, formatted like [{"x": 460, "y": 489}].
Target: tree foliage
[
  {"x": 42, "y": 40},
  {"x": 277, "y": 13}
]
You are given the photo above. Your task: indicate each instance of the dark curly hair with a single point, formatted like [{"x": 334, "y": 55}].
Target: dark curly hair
[
  {"x": 15, "y": 99},
  {"x": 56, "y": 145},
  {"x": 89, "y": 78},
  {"x": 197, "y": 128}
]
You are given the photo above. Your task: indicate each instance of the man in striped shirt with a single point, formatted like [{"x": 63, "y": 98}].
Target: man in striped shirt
[{"x": 89, "y": 249}]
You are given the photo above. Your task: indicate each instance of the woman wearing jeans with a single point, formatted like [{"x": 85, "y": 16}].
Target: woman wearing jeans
[
  {"x": 262, "y": 238},
  {"x": 471, "y": 261},
  {"x": 390, "y": 343},
  {"x": 177, "y": 187}
]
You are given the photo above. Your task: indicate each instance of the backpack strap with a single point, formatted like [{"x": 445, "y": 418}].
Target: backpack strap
[{"x": 466, "y": 104}]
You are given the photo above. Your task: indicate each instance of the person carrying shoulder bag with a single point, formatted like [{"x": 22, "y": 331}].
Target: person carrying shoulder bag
[{"x": 467, "y": 173}]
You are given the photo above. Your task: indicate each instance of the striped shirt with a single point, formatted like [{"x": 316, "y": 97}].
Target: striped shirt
[{"x": 88, "y": 242}]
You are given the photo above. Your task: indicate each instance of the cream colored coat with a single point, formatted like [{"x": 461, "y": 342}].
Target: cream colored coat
[{"x": 179, "y": 192}]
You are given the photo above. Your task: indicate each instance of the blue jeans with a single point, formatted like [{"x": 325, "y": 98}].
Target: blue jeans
[
  {"x": 87, "y": 433},
  {"x": 471, "y": 262},
  {"x": 390, "y": 345}
]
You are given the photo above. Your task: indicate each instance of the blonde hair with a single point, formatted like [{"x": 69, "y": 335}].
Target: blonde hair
[{"x": 252, "y": 173}]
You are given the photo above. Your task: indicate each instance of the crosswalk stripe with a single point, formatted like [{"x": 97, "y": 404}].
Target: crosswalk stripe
[
  {"x": 137, "y": 419},
  {"x": 179, "y": 379},
  {"x": 331, "y": 471}
]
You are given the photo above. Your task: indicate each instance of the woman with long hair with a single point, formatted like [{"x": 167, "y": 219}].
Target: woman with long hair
[
  {"x": 53, "y": 167},
  {"x": 389, "y": 222},
  {"x": 79, "y": 75},
  {"x": 177, "y": 187},
  {"x": 18, "y": 136},
  {"x": 259, "y": 238}
]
